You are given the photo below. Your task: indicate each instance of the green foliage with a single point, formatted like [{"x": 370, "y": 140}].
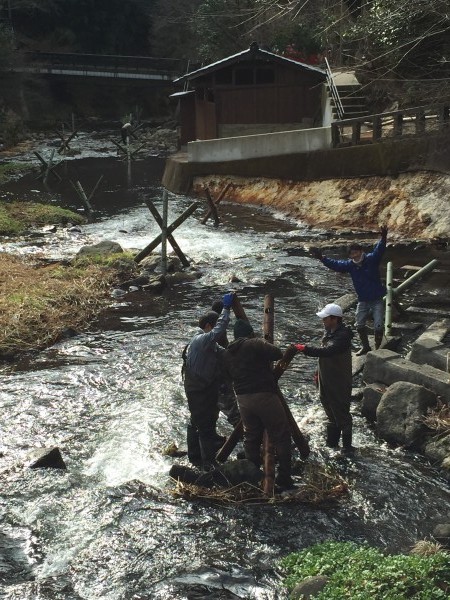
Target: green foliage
[
  {"x": 363, "y": 573},
  {"x": 10, "y": 171},
  {"x": 17, "y": 217}
]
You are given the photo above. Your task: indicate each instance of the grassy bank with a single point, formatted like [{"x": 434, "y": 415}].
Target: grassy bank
[
  {"x": 18, "y": 217},
  {"x": 359, "y": 572},
  {"x": 39, "y": 302}
]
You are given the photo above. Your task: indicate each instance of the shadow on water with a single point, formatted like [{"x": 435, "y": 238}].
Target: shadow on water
[{"x": 112, "y": 399}]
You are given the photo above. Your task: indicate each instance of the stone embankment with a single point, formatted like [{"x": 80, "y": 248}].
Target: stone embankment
[{"x": 413, "y": 205}]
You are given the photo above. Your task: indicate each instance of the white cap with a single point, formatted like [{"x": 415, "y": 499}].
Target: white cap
[{"x": 330, "y": 310}]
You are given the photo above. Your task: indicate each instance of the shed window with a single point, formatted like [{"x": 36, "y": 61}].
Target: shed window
[
  {"x": 265, "y": 75},
  {"x": 243, "y": 77}
]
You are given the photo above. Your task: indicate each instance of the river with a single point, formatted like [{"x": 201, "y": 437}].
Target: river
[{"x": 111, "y": 399}]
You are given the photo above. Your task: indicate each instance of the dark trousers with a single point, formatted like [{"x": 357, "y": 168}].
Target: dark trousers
[
  {"x": 201, "y": 430},
  {"x": 264, "y": 411}
]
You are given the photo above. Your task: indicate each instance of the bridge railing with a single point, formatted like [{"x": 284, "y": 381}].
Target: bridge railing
[
  {"x": 396, "y": 124},
  {"x": 113, "y": 63}
]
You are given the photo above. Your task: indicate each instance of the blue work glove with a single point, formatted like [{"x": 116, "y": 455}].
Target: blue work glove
[{"x": 228, "y": 300}]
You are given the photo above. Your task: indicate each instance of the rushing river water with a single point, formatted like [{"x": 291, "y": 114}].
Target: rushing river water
[{"x": 112, "y": 399}]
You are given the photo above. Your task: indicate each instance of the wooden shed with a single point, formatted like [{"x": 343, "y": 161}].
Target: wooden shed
[{"x": 254, "y": 91}]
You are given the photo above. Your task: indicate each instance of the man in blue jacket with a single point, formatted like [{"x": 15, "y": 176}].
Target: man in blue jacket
[
  {"x": 364, "y": 269},
  {"x": 201, "y": 384}
]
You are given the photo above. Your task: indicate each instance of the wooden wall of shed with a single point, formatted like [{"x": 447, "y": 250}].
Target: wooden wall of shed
[{"x": 267, "y": 104}]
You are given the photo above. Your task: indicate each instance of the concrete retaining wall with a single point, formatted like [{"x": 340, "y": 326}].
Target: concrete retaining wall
[
  {"x": 262, "y": 145},
  {"x": 386, "y": 158}
]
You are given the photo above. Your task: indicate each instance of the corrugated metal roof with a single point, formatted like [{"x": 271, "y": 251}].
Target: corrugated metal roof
[{"x": 253, "y": 52}]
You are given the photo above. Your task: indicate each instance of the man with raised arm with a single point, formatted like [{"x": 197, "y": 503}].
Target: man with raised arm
[
  {"x": 364, "y": 269},
  {"x": 201, "y": 385}
]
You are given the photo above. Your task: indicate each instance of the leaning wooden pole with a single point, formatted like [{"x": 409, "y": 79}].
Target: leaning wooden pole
[
  {"x": 269, "y": 466},
  {"x": 176, "y": 248},
  {"x": 268, "y": 447},
  {"x": 146, "y": 251},
  {"x": 269, "y": 319}
]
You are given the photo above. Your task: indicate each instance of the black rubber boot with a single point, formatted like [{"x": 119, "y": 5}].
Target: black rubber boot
[
  {"x": 347, "y": 447},
  {"x": 283, "y": 480},
  {"x": 193, "y": 444},
  {"x": 364, "y": 337},
  {"x": 333, "y": 435},
  {"x": 209, "y": 449}
]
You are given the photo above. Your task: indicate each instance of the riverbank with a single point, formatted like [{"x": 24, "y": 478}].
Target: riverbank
[{"x": 412, "y": 205}]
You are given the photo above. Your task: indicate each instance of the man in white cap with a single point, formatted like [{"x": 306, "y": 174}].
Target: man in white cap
[{"x": 334, "y": 375}]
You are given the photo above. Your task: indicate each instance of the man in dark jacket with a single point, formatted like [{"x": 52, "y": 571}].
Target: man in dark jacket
[
  {"x": 201, "y": 385},
  {"x": 249, "y": 362},
  {"x": 335, "y": 375},
  {"x": 364, "y": 269}
]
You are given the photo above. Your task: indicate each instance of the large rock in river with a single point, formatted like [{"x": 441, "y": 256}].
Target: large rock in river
[
  {"x": 401, "y": 411},
  {"x": 104, "y": 248}
]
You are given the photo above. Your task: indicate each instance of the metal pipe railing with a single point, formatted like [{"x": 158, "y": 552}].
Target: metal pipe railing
[{"x": 333, "y": 90}]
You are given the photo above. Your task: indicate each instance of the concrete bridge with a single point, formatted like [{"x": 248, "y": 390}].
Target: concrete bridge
[{"x": 159, "y": 71}]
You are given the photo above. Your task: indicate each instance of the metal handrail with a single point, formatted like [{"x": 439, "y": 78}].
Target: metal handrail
[{"x": 333, "y": 90}]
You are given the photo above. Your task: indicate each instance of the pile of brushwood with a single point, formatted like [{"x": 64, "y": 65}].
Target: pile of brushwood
[{"x": 320, "y": 485}]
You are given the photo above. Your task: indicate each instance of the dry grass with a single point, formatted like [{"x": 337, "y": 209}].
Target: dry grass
[
  {"x": 319, "y": 486},
  {"x": 38, "y": 302},
  {"x": 426, "y": 548},
  {"x": 438, "y": 418}
]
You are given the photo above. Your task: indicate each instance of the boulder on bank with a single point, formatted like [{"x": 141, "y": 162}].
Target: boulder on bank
[
  {"x": 401, "y": 411},
  {"x": 437, "y": 450},
  {"x": 103, "y": 248},
  {"x": 372, "y": 395}
]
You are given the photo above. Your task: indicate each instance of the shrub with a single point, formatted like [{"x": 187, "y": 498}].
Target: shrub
[{"x": 363, "y": 573}]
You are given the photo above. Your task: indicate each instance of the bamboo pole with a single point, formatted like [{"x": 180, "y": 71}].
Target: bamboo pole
[
  {"x": 164, "y": 233},
  {"x": 408, "y": 282},
  {"x": 389, "y": 295}
]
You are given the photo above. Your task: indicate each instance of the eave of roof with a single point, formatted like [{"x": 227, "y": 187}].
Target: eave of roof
[{"x": 253, "y": 52}]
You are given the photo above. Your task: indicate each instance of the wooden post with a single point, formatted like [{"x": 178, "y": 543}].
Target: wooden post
[
  {"x": 335, "y": 135},
  {"x": 377, "y": 130},
  {"x": 170, "y": 238},
  {"x": 212, "y": 208},
  {"x": 219, "y": 199},
  {"x": 269, "y": 466},
  {"x": 398, "y": 125},
  {"x": 420, "y": 121},
  {"x": 164, "y": 233},
  {"x": 269, "y": 319},
  {"x": 238, "y": 309},
  {"x": 170, "y": 229},
  {"x": 230, "y": 442},
  {"x": 82, "y": 196},
  {"x": 356, "y": 132}
]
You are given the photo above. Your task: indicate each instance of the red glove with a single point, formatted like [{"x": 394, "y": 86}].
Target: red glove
[{"x": 299, "y": 347}]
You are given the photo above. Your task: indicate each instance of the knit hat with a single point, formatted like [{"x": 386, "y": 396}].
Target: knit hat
[{"x": 242, "y": 329}]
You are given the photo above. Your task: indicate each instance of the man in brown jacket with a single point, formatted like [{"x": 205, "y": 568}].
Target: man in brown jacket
[{"x": 249, "y": 361}]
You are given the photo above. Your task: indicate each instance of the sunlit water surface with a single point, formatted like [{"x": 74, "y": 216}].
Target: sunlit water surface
[{"x": 112, "y": 399}]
